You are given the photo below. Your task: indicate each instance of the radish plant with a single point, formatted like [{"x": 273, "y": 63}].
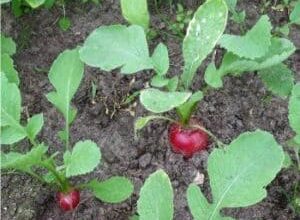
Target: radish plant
[
  {"x": 258, "y": 51},
  {"x": 129, "y": 51},
  {"x": 65, "y": 75},
  {"x": 238, "y": 175}
]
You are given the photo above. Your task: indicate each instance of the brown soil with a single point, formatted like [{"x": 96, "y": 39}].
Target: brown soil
[{"x": 243, "y": 104}]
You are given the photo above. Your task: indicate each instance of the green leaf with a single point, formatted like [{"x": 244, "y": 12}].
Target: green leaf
[
  {"x": 212, "y": 76},
  {"x": 197, "y": 202},
  {"x": 111, "y": 47},
  {"x": 64, "y": 23},
  {"x": 16, "y": 6},
  {"x": 8, "y": 46},
  {"x": 83, "y": 159},
  {"x": 159, "y": 81},
  {"x": 160, "y": 59},
  {"x": 113, "y": 190},
  {"x": 156, "y": 198},
  {"x": 279, "y": 50},
  {"x": 34, "y": 125},
  {"x": 278, "y": 79},
  {"x": 10, "y": 135},
  {"x": 7, "y": 67},
  {"x": 157, "y": 101},
  {"x": 35, "y": 3},
  {"x": 254, "y": 44},
  {"x": 12, "y": 131},
  {"x": 238, "y": 174},
  {"x": 295, "y": 14},
  {"x": 203, "y": 33},
  {"x": 294, "y": 109},
  {"x": 136, "y": 12},
  {"x": 65, "y": 75},
  {"x": 186, "y": 109},
  {"x": 23, "y": 162},
  {"x": 173, "y": 84}
]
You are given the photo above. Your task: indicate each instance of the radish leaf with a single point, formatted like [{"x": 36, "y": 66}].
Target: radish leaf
[
  {"x": 8, "y": 46},
  {"x": 254, "y": 44},
  {"x": 65, "y": 75},
  {"x": 23, "y": 162},
  {"x": 111, "y": 47},
  {"x": 294, "y": 110},
  {"x": 136, "y": 12},
  {"x": 156, "y": 198},
  {"x": 160, "y": 59},
  {"x": 34, "y": 125},
  {"x": 7, "y": 67},
  {"x": 203, "y": 33},
  {"x": 113, "y": 190},
  {"x": 11, "y": 130},
  {"x": 157, "y": 101},
  {"x": 83, "y": 159},
  {"x": 279, "y": 50},
  {"x": 278, "y": 79},
  {"x": 238, "y": 174}
]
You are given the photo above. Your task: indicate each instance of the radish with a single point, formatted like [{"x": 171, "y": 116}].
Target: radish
[
  {"x": 68, "y": 201},
  {"x": 187, "y": 140}
]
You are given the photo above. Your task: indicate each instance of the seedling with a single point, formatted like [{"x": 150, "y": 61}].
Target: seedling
[
  {"x": 183, "y": 17},
  {"x": 65, "y": 75},
  {"x": 130, "y": 52},
  {"x": 258, "y": 51},
  {"x": 294, "y": 19},
  {"x": 238, "y": 17},
  {"x": 238, "y": 176}
]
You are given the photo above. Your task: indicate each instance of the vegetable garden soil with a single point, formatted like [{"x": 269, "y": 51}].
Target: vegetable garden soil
[{"x": 243, "y": 104}]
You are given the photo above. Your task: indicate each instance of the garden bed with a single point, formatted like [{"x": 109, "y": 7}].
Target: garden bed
[{"x": 242, "y": 105}]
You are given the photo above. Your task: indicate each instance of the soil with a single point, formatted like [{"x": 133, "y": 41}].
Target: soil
[{"x": 243, "y": 104}]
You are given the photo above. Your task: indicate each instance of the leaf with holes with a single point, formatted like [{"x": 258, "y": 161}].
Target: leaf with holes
[
  {"x": 84, "y": 158},
  {"x": 156, "y": 198},
  {"x": 117, "y": 46},
  {"x": 65, "y": 75},
  {"x": 158, "y": 101},
  {"x": 254, "y": 44},
  {"x": 203, "y": 33},
  {"x": 238, "y": 174}
]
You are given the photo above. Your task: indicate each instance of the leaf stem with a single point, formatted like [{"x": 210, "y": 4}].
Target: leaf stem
[
  {"x": 219, "y": 143},
  {"x": 35, "y": 175},
  {"x": 62, "y": 181},
  {"x": 67, "y": 135}
]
